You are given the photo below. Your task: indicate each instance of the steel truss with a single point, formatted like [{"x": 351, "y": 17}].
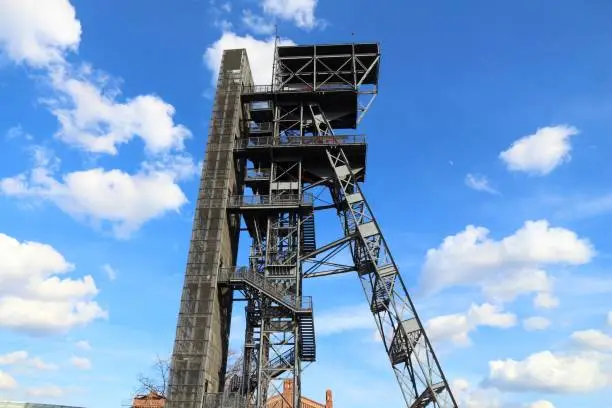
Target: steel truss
[
  {"x": 414, "y": 362},
  {"x": 324, "y": 68},
  {"x": 281, "y": 142}
]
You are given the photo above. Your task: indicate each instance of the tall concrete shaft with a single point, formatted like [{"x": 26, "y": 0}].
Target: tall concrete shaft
[
  {"x": 202, "y": 333},
  {"x": 277, "y": 154}
]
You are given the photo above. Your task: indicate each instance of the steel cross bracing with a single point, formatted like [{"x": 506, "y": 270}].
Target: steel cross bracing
[
  {"x": 412, "y": 357},
  {"x": 273, "y": 153}
]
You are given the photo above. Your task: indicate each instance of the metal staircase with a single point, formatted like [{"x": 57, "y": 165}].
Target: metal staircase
[
  {"x": 308, "y": 350},
  {"x": 309, "y": 244},
  {"x": 281, "y": 363},
  {"x": 244, "y": 276}
]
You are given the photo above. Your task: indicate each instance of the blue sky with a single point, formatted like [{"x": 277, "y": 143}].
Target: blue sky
[{"x": 488, "y": 172}]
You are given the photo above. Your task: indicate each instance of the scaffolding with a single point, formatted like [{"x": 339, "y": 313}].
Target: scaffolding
[{"x": 273, "y": 152}]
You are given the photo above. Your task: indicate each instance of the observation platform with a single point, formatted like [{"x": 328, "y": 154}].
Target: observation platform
[
  {"x": 311, "y": 149},
  {"x": 336, "y": 59},
  {"x": 271, "y": 203},
  {"x": 337, "y": 100},
  {"x": 332, "y": 76}
]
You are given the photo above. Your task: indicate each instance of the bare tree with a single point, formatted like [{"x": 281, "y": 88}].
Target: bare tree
[{"x": 157, "y": 381}]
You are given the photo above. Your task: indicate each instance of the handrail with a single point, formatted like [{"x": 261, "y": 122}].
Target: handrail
[
  {"x": 257, "y": 174},
  {"x": 274, "y": 200},
  {"x": 289, "y": 88},
  {"x": 268, "y": 141},
  {"x": 257, "y": 280}
]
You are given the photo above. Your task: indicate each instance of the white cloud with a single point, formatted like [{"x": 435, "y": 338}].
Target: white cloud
[
  {"x": 17, "y": 132},
  {"x": 541, "y": 404},
  {"x": 22, "y": 358},
  {"x": 344, "y": 319},
  {"x": 593, "y": 339},
  {"x": 13, "y": 357},
  {"x": 39, "y": 364},
  {"x": 456, "y": 327},
  {"x": 506, "y": 268},
  {"x": 33, "y": 298},
  {"x": 479, "y": 183},
  {"x": 38, "y": 33},
  {"x": 302, "y": 12},
  {"x": 536, "y": 323},
  {"x": 544, "y": 300},
  {"x": 469, "y": 397},
  {"x": 46, "y": 391},
  {"x": 257, "y": 24},
  {"x": 124, "y": 200},
  {"x": 91, "y": 117},
  {"x": 260, "y": 53},
  {"x": 541, "y": 152},
  {"x": 548, "y": 372},
  {"x": 81, "y": 363},
  {"x": 110, "y": 272},
  {"x": 6, "y": 381},
  {"x": 83, "y": 345}
]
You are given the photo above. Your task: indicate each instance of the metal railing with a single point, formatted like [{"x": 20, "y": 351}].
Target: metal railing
[
  {"x": 268, "y": 141},
  {"x": 257, "y": 174},
  {"x": 288, "y": 88},
  {"x": 254, "y": 127},
  {"x": 280, "y": 200},
  {"x": 224, "y": 400},
  {"x": 272, "y": 289}
]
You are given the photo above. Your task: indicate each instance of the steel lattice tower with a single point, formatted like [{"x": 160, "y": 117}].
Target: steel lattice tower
[{"x": 272, "y": 152}]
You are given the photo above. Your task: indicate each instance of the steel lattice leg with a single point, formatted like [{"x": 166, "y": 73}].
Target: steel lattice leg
[{"x": 412, "y": 357}]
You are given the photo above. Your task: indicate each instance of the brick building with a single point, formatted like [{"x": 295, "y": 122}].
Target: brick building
[
  {"x": 150, "y": 400},
  {"x": 280, "y": 402},
  {"x": 155, "y": 400}
]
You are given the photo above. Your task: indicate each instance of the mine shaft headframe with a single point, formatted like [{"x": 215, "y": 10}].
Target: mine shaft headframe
[{"x": 352, "y": 67}]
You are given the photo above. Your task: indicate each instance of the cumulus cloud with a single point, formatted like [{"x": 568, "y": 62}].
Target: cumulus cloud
[
  {"x": 87, "y": 107},
  {"x": 536, "y": 323},
  {"x": 545, "y": 300},
  {"x": 38, "y": 33},
  {"x": 81, "y": 363},
  {"x": 257, "y": 24},
  {"x": 22, "y": 358},
  {"x": 92, "y": 118},
  {"x": 468, "y": 396},
  {"x": 6, "y": 381},
  {"x": 549, "y": 372},
  {"x": 506, "y": 268},
  {"x": 33, "y": 296},
  {"x": 124, "y": 200},
  {"x": 541, "y": 152},
  {"x": 456, "y": 327},
  {"x": 344, "y": 319},
  {"x": 479, "y": 182},
  {"x": 301, "y": 12},
  {"x": 260, "y": 54},
  {"x": 593, "y": 339},
  {"x": 541, "y": 404}
]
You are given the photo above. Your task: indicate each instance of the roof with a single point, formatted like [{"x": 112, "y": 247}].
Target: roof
[{"x": 16, "y": 404}]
